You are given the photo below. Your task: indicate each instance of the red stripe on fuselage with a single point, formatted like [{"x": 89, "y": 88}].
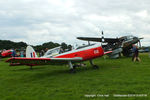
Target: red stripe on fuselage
[{"x": 85, "y": 54}]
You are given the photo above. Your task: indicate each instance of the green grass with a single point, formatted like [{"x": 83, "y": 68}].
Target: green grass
[{"x": 115, "y": 76}]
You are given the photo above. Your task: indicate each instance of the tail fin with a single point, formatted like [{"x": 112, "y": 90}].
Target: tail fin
[{"x": 30, "y": 53}]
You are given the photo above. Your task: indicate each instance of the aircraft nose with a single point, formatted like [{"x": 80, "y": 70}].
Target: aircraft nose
[{"x": 141, "y": 38}]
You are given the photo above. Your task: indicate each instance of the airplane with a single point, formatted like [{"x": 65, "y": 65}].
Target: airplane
[
  {"x": 117, "y": 45},
  {"x": 56, "y": 56},
  {"x": 145, "y": 50},
  {"x": 6, "y": 53}
]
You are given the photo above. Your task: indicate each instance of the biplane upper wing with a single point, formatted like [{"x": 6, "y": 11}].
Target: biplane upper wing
[
  {"x": 40, "y": 61},
  {"x": 109, "y": 40}
]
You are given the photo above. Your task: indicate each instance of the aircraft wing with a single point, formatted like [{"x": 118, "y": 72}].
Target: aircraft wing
[
  {"x": 110, "y": 40},
  {"x": 40, "y": 61}
]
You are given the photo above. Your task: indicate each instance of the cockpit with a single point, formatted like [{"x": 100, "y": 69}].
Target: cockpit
[
  {"x": 53, "y": 52},
  {"x": 129, "y": 38},
  {"x": 83, "y": 46},
  {"x": 58, "y": 50}
]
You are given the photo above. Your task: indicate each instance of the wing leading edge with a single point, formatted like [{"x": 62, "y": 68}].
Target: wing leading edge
[{"x": 109, "y": 40}]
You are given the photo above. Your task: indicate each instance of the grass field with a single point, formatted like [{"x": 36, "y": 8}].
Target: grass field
[{"x": 120, "y": 76}]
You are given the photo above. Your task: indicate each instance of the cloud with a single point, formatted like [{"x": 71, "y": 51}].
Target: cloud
[{"x": 39, "y": 21}]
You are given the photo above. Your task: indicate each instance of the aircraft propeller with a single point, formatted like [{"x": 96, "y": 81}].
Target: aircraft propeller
[{"x": 103, "y": 39}]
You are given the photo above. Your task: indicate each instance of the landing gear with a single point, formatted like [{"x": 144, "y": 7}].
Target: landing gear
[
  {"x": 94, "y": 66},
  {"x": 72, "y": 68}
]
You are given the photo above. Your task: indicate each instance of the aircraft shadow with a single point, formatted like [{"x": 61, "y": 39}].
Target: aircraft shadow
[
  {"x": 29, "y": 69},
  {"x": 44, "y": 73},
  {"x": 62, "y": 72}
]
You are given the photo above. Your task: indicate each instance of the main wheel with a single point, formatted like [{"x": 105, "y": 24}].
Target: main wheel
[
  {"x": 96, "y": 67},
  {"x": 72, "y": 70}
]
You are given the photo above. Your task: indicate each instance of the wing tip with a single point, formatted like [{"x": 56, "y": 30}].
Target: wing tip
[{"x": 8, "y": 60}]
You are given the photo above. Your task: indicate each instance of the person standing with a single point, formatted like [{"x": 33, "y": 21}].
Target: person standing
[
  {"x": 133, "y": 51},
  {"x": 13, "y": 53},
  {"x": 42, "y": 53},
  {"x": 136, "y": 55},
  {"x": 21, "y": 53}
]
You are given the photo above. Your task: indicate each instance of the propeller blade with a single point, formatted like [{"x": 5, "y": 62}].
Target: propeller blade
[
  {"x": 103, "y": 39},
  {"x": 102, "y": 33}
]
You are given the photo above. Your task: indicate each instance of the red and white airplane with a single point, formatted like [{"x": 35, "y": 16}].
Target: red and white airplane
[
  {"x": 6, "y": 53},
  {"x": 57, "y": 57}
]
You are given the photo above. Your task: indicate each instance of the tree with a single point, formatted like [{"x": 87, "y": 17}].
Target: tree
[{"x": 7, "y": 44}]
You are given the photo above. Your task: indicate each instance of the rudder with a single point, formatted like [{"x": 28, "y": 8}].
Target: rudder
[{"x": 30, "y": 52}]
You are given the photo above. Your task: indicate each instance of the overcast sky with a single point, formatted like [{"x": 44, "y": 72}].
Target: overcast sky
[{"x": 39, "y": 21}]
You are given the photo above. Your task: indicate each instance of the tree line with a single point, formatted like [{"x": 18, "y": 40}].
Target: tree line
[{"x": 7, "y": 44}]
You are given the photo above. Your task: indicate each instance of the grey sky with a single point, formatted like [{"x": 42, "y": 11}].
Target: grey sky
[{"x": 39, "y": 21}]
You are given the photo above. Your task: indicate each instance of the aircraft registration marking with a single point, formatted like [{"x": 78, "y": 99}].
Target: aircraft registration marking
[{"x": 96, "y": 51}]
